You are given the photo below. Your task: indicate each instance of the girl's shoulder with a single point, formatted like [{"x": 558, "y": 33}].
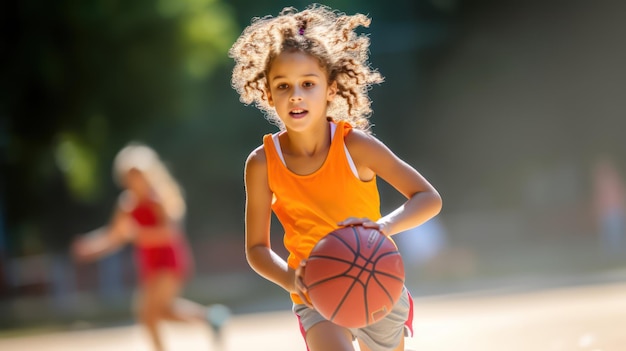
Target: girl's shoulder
[
  {"x": 366, "y": 150},
  {"x": 255, "y": 170},
  {"x": 260, "y": 153},
  {"x": 256, "y": 157},
  {"x": 360, "y": 140}
]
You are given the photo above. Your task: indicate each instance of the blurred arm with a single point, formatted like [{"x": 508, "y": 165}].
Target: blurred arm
[{"x": 104, "y": 240}]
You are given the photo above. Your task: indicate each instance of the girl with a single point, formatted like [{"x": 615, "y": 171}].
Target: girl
[
  {"x": 308, "y": 72},
  {"x": 149, "y": 213}
]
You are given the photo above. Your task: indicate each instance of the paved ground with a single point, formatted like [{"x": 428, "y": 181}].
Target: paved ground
[{"x": 577, "y": 318}]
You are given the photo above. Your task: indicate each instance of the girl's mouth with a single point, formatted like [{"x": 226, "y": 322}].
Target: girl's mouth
[{"x": 298, "y": 113}]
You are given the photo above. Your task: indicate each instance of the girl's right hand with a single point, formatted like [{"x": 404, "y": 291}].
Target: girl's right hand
[{"x": 301, "y": 288}]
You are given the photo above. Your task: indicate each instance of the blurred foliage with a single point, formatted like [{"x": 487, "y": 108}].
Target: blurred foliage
[{"x": 84, "y": 78}]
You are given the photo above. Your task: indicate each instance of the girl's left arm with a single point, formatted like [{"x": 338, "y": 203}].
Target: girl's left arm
[{"x": 374, "y": 158}]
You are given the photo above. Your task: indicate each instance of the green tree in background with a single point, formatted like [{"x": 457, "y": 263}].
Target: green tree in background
[{"x": 81, "y": 80}]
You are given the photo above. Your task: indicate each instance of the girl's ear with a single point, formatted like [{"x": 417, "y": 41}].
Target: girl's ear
[
  {"x": 332, "y": 91},
  {"x": 268, "y": 96}
]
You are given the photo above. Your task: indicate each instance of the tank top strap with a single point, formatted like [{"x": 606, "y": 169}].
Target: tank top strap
[{"x": 344, "y": 129}]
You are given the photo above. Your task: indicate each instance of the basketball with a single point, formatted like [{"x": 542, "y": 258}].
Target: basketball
[{"x": 354, "y": 276}]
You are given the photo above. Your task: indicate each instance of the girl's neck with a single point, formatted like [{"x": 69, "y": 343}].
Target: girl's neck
[{"x": 308, "y": 142}]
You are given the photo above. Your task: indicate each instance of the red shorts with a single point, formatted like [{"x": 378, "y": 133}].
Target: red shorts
[{"x": 171, "y": 257}]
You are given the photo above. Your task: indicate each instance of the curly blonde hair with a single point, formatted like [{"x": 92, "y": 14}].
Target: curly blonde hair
[{"x": 321, "y": 32}]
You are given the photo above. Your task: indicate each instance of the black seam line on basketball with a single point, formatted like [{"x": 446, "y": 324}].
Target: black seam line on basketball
[
  {"x": 355, "y": 252},
  {"x": 343, "y": 273},
  {"x": 356, "y": 256},
  {"x": 383, "y": 287},
  {"x": 334, "y": 258},
  {"x": 355, "y": 279},
  {"x": 367, "y": 282},
  {"x": 375, "y": 273},
  {"x": 311, "y": 286},
  {"x": 351, "y": 263},
  {"x": 374, "y": 277},
  {"x": 388, "y": 275},
  {"x": 319, "y": 282},
  {"x": 367, "y": 260}
]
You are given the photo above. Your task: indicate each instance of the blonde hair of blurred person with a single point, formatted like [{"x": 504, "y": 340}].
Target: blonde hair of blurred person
[{"x": 149, "y": 213}]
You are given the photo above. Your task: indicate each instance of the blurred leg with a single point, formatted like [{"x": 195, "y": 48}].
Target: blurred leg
[
  {"x": 149, "y": 311},
  {"x": 159, "y": 301},
  {"x": 399, "y": 348},
  {"x": 326, "y": 336},
  {"x": 185, "y": 311},
  {"x": 165, "y": 288}
]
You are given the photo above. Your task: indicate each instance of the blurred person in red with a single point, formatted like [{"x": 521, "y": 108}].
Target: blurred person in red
[{"x": 149, "y": 213}]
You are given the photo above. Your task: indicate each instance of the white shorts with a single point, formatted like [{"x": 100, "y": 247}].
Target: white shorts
[{"x": 383, "y": 335}]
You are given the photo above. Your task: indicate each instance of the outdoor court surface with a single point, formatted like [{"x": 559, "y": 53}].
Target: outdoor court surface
[{"x": 575, "y": 318}]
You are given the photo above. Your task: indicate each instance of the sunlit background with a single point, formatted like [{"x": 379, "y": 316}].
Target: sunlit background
[{"x": 514, "y": 110}]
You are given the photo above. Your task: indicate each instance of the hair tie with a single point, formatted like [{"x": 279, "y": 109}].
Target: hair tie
[{"x": 301, "y": 30}]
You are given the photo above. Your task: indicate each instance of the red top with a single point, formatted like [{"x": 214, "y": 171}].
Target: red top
[{"x": 146, "y": 213}]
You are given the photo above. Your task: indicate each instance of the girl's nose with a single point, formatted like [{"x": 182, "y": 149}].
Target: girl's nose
[{"x": 296, "y": 96}]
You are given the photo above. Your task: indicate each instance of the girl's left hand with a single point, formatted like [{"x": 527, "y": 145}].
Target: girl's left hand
[{"x": 365, "y": 222}]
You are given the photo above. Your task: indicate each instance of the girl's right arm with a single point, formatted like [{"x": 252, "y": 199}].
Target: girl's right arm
[
  {"x": 259, "y": 252},
  {"x": 104, "y": 240}
]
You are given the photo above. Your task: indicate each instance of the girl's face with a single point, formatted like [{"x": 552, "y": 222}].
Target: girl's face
[
  {"x": 137, "y": 183},
  {"x": 299, "y": 89}
]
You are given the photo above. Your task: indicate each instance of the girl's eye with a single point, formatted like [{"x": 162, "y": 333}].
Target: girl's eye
[
  {"x": 307, "y": 84},
  {"x": 282, "y": 86}
]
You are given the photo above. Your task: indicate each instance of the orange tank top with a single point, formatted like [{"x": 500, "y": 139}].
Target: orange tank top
[{"x": 310, "y": 206}]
